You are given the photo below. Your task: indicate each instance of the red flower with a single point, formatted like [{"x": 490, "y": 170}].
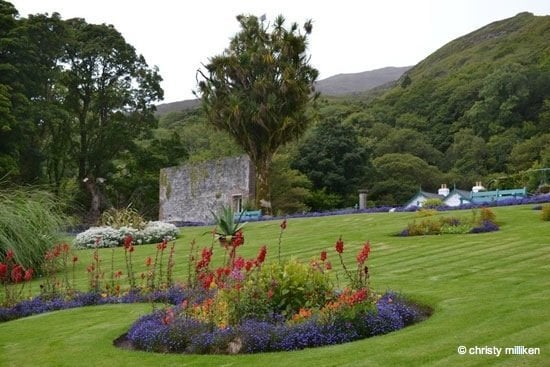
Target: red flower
[
  {"x": 17, "y": 273},
  {"x": 9, "y": 255},
  {"x": 131, "y": 248},
  {"x": 65, "y": 248},
  {"x": 128, "y": 241},
  {"x": 238, "y": 239},
  {"x": 28, "y": 274},
  {"x": 75, "y": 259},
  {"x": 363, "y": 255},
  {"x": 261, "y": 255},
  {"x": 323, "y": 255},
  {"x": 239, "y": 263},
  {"x": 161, "y": 246},
  {"x": 340, "y": 245},
  {"x": 328, "y": 265},
  {"x": 118, "y": 274},
  {"x": 249, "y": 264},
  {"x": 3, "y": 270},
  {"x": 148, "y": 261},
  {"x": 283, "y": 225}
]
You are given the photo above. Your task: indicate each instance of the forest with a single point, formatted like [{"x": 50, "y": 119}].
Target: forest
[{"x": 77, "y": 118}]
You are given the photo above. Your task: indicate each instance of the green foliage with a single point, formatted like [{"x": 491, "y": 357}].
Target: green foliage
[
  {"x": 424, "y": 227},
  {"x": 432, "y": 203},
  {"x": 226, "y": 223},
  {"x": 259, "y": 90},
  {"x": 486, "y": 214},
  {"x": 298, "y": 285},
  {"x": 30, "y": 224},
  {"x": 125, "y": 217},
  {"x": 290, "y": 188},
  {"x": 332, "y": 158},
  {"x": 400, "y": 174},
  {"x": 545, "y": 214}
]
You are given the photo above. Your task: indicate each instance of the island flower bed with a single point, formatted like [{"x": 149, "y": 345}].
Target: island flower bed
[
  {"x": 256, "y": 306},
  {"x": 243, "y": 306}
]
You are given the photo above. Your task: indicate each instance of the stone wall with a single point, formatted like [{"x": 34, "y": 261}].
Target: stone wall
[{"x": 190, "y": 193}]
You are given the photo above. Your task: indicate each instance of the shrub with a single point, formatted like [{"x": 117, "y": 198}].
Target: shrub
[
  {"x": 425, "y": 227},
  {"x": 432, "y": 203},
  {"x": 111, "y": 237},
  {"x": 30, "y": 224},
  {"x": 126, "y": 217},
  {"x": 423, "y": 212},
  {"x": 486, "y": 214},
  {"x": 545, "y": 214}
]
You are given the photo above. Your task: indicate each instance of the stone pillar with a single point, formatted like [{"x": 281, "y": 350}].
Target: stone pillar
[{"x": 363, "y": 199}]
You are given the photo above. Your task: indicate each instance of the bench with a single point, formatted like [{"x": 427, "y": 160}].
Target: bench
[{"x": 248, "y": 215}]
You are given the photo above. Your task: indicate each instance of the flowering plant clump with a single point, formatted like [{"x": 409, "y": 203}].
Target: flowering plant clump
[
  {"x": 258, "y": 306},
  {"x": 112, "y": 237},
  {"x": 13, "y": 277}
]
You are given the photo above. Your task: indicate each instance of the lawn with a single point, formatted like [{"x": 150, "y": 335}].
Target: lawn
[{"x": 486, "y": 290}]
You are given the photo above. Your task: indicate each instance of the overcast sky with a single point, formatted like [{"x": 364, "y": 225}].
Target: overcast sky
[{"x": 348, "y": 36}]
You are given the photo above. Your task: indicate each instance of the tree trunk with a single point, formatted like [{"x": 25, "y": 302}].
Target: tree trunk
[
  {"x": 263, "y": 193},
  {"x": 91, "y": 186}
]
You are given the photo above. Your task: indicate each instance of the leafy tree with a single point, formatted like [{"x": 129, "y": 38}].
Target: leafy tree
[
  {"x": 332, "y": 158},
  {"x": 529, "y": 152},
  {"x": 110, "y": 91},
  {"x": 259, "y": 91},
  {"x": 468, "y": 155},
  {"x": 399, "y": 176},
  {"x": 291, "y": 188},
  {"x": 409, "y": 141}
]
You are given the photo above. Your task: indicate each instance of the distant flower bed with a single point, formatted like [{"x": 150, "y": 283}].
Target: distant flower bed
[
  {"x": 112, "y": 237},
  {"x": 481, "y": 221}
]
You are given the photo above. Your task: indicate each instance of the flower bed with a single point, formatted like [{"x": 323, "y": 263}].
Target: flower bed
[
  {"x": 246, "y": 305},
  {"x": 111, "y": 237},
  {"x": 190, "y": 335},
  {"x": 479, "y": 223}
]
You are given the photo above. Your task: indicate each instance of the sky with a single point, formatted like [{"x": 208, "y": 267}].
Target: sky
[{"x": 348, "y": 36}]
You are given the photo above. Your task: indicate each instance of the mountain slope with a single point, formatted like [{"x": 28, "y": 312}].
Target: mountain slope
[
  {"x": 491, "y": 81},
  {"x": 336, "y": 85},
  {"x": 343, "y": 84}
]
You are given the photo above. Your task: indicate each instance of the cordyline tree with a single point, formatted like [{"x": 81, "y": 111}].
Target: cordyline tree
[{"x": 259, "y": 91}]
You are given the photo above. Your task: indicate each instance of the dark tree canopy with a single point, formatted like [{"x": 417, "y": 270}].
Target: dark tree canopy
[
  {"x": 259, "y": 90},
  {"x": 332, "y": 158}
]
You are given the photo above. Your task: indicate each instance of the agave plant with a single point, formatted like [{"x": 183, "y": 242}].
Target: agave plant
[{"x": 227, "y": 225}]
